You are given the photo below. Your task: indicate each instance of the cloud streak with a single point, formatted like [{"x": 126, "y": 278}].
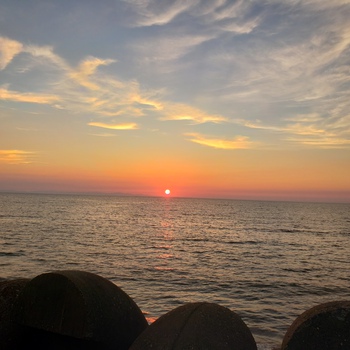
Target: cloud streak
[
  {"x": 86, "y": 69},
  {"x": 122, "y": 126},
  {"x": 151, "y": 12},
  {"x": 239, "y": 142},
  {"x": 311, "y": 130},
  {"x": 177, "y": 111},
  {"x": 27, "y": 97},
  {"x": 220, "y": 15},
  {"x": 8, "y": 50},
  {"x": 16, "y": 157}
]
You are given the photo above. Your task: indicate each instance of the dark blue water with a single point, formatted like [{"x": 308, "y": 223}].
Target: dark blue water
[{"x": 267, "y": 261}]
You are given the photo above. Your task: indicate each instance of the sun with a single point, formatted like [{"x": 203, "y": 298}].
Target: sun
[{"x": 167, "y": 192}]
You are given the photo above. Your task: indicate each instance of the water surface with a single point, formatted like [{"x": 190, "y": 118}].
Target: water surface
[{"x": 267, "y": 261}]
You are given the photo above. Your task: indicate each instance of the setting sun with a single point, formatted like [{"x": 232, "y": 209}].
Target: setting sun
[{"x": 167, "y": 192}]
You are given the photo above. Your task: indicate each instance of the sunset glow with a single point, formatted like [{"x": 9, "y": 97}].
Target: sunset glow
[{"x": 246, "y": 100}]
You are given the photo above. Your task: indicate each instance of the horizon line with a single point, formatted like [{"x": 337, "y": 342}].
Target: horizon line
[{"x": 126, "y": 194}]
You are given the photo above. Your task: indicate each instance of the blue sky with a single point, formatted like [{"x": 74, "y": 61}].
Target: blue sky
[{"x": 266, "y": 76}]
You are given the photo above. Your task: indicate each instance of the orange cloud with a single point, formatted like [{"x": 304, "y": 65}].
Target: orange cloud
[
  {"x": 27, "y": 97},
  {"x": 123, "y": 126},
  {"x": 178, "y": 111},
  {"x": 240, "y": 142},
  {"x": 16, "y": 156},
  {"x": 86, "y": 69},
  {"x": 8, "y": 50},
  {"x": 324, "y": 142}
]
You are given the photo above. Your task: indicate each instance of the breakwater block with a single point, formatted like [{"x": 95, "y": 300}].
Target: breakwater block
[
  {"x": 197, "y": 326},
  {"x": 9, "y": 291},
  {"x": 325, "y": 326},
  {"x": 77, "y": 310}
]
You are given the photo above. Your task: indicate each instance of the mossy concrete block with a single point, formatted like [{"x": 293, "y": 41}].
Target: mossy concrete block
[
  {"x": 325, "y": 326},
  {"x": 197, "y": 326},
  {"x": 78, "y": 310},
  {"x": 9, "y": 291}
]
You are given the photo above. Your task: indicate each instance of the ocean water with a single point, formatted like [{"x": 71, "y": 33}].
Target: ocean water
[{"x": 267, "y": 261}]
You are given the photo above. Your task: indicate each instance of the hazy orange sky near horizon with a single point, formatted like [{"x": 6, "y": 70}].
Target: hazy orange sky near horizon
[{"x": 222, "y": 99}]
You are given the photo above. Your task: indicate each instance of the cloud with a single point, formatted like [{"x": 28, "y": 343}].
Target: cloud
[
  {"x": 103, "y": 135},
  {"x": 279, "y": 69},
  {"x": 178, "y": 111},
  {"x": 310, "y": 129},
  {"x": 27, "y": 97},
  {"x": 44, "y": 55},
  {"x": 305, "y": 118},
  {"x": 257, "y": 125},
  {"x": 217, "y": 14},
  {"x": 241, "y": 28},
  {"x": 122, "y": 126},
  {"x": 322, "y": 142},
  {"x": 293, "y": 75},
  {"x": 86, "y": 69},
  {"x": 239, "y": 142},
  {"x": 320, "y": 5},
  {"x": 109, "y": 97},
  {"x": 293, "y": 48},
  {"x": 105, "y": 95},
  {"x": 230, "y": 10},
  {"x": 302, "y": 127},
  {"x": 8, "y": 50},
  {"x": 168, "y": 47},
  {"x": 16, "y": 156},
  {"x": 150, "y": 12},
  {"x": 206, "y": 7}
]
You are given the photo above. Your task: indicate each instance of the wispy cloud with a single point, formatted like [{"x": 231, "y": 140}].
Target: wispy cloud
[
  {"x": 322, "y": 142},
  {"x": 8, "y": 50},
  {"x": 45, "y": 55},
  {"x": 86, "y": 69},
  {"x": 305, "y": 118},
  {"x": 309, "y": 129},
  {"x": 168, "y": 47},
  {"x": 104, "y": 135},
  {"x": 277, "y": 69},
  {"x": 239, "y": 27},
  {"x": 230, "y": 10},
  {"x": 152, "y": 12},
  {"x": 122, "y": 126},
  {"x": 208, "y": 20},
  {"x": 103, "y": 95},
  {"x": 27, "y": 97},
  {"x": 222, "y": 15},
  {"x": 16, "y": 156},
  {"x": 294, "y": 68},
  {"x": 177, "y": 111},
  {"x": 302, "y": 127},
  {"x": 239, "y": 142}
]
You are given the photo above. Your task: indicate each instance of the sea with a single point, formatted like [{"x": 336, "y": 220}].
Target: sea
[{"x": 267, "y": 261}]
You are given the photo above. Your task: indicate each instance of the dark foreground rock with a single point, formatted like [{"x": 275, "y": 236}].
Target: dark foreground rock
[
  {"x": 9, "y": 291},
  {"x": 77, "y": 310},
  {"x": 80, "y": 310},
  {"x": 325, "y": 326},
  {"x": 197, "y": 326}
]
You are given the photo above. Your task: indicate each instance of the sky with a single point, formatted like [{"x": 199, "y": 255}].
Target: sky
[{"x": 246, "y": 99}]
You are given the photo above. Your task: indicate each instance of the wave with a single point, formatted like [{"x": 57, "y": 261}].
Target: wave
[{"x": 19, "y": 253}]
